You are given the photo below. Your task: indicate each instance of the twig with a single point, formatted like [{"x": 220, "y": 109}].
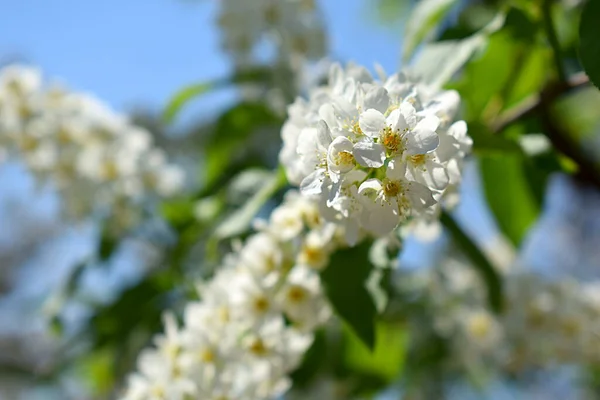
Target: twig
[{"x": 531, "y": 105}]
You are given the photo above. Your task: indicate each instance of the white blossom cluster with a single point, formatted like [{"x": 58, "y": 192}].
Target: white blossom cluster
[
  {"x": 374, "y": 152},
  {"x": 254, "y": 321},
  {"x": 545, "y": 323},
  {"x": 292, "y": 27},
  {"x": 97, "y": 159}
]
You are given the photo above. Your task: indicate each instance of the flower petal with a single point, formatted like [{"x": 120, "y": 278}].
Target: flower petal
[
  {"x": 381, "y": 220},
  {"x": 396, "y": 169},
  {"x": 397, "y": 121},
  {"x": 435, "y": 176},
  {"x": 420, "y": 196},
  {"x": 377, "y": 98},
  {"x": 369, "y": 154},
  {"x": 421, "y": 141},
  {"x": 430, "y": 122},
  {"x": 372, "y": 122},
  {"x": 313, "y": 183},
  {"x": 409, "y": 113},
  {"x": 323, "y": 135}
]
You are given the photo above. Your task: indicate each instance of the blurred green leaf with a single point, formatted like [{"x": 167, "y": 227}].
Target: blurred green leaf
[
  {"x": 386, "y": 360},
  {"x": 190, "y": 92},
  {"x": 422, "y": 22},
  {"x": 345, "y": 281},
  {"x": 589, "y": 40},
  {"x": 509, "y": 194},
  {"x": 185, "y": 95},
  {"x": 231, "y": 141},
  {"x": 483, "y": 266},
  {"x": 179, "y": 213},
  {"x": 238, "y": 222},
  {"x": 438, "y": 62},
  {"x": 313, "y": 361},
  {"x": 487, "y": 143}
]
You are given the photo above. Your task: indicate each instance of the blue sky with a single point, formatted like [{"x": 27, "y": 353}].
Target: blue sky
[{"x": 135, "y": 52}]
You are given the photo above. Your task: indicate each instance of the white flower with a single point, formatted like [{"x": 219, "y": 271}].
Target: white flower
[
  {"x": 393, "y": 144},
  {"x": 392, "y": 200},
  {"x": 98, "y": 161}
]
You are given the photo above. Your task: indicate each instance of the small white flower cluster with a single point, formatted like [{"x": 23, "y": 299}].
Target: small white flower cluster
[
  {"x": 254, "y": 321},
  {"x": 374, "y": 152},
  {"x": 293, "y": 27},
  {"x": 98, "y": 161},
  {"x": 545, "y": 323}
]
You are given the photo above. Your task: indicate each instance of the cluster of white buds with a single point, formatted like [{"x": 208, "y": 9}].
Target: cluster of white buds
[
  {"x": 292, "y": 27},
  {"x": 97, "y": 159},
  {"x": 254, "y": 321},
  {"x": 545, "y": 323},
  {"x": 374, "y": 152}
]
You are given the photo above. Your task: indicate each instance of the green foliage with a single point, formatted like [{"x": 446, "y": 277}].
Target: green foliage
[
  {"x": 589, "y": 42},
  {"x": 344, "y": 281},
  {"x": 509, "y": 194},
  {"x": 382, "y": 363},
  {"x": 184, "y": 96},
  {"x": 233, "y": 137},
  {"x": 438, "y": 62},
  {"x": 239, "y": 221},
  {"x": 423, "y": 21},
  {"x": 486, "y": 270},
  {"x": 191, "y": 92}
]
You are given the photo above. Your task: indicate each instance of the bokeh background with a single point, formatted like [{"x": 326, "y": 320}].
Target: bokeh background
[{"x": 67, "y": 332}]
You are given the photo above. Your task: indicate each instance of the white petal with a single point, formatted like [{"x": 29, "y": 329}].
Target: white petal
[
  {"x": 370, "y": 188},
  {"x": 313, "y": 183},
  {"x": 346, "y": 110},
  {"x": 323, "y": 134},
  {"x": 421, "y": 141},
  {"x": 369, "y": 154},
  {"x": 372, "y": 122},
  {"x": 419, "y": 196},
  {"x": 397, "y": 121},
  {"x": 377, "y": 98},
  {"x": 409, "y": 113},
  {"x": 381, "y": 220},
  {"x": 435, "y": 176},
  {"x": 448, "y": 148},
  {"x": 396, "y": 169},
  {"x": 430, "y": 122}
]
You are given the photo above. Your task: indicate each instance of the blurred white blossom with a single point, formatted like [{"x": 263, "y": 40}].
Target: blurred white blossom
[
  {"x": 255, "y": 319},
  {"x": 98, "y": 161}
]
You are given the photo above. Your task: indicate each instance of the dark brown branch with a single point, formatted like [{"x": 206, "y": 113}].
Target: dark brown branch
[{"x": 541, "y": 105}]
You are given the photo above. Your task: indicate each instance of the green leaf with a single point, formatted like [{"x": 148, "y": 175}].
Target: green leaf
[
  {"x": 487, "y": 143},
  {"x": 231, "y": 142},
  {"x": 313, "y": 361},
  {"x": 385, "y": 361},
  {"x": 423, "y": 20},
  {"x": 179, "y": 213},
  {"x": 438, "y": 62},
  {"x": 485, "y": 268},
  {"x": 509, "y": 194},
  {"x": 589, "y": 42},
  {"x": 238, "y": 222},
  {"x": 190, "y": 92},
  {"x": 345, "y": 281},
  {"x": 184, "y": 96}
]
